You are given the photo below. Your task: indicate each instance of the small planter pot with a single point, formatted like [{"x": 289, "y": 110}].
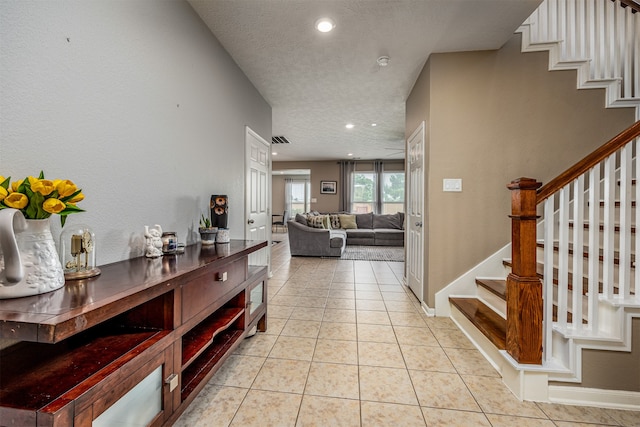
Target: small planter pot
[{"x": 208, "y": 235}]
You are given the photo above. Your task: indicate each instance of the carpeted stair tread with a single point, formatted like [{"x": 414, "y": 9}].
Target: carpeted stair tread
[{"x": 490, "y": 323}]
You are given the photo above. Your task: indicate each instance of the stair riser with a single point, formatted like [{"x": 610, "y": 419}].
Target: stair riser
[{"x": 498, "y": 304}]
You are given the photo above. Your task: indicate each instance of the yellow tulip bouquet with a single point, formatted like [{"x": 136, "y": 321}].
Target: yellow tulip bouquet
[{"x": 38, "y": 198}]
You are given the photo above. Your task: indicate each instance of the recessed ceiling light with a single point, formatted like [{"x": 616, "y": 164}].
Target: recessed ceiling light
[
  {"x": 350, "y": 154},
  {"x": 324, "y": 25},
  {"x": 274, "y": 154},
  {"x": 374, "y": 124},
  {"x": 349, "y": 125}
]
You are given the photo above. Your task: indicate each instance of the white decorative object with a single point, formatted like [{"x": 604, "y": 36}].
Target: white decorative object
[
  {"x": 77, "y": 252},
  {"x": 153, "y": 247},
  {"x": 223, "y": 235},
  {"x": 29, "y": 263}
]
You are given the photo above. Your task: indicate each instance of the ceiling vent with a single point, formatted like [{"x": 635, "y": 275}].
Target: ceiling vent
[{"x": 279, "y": 140}]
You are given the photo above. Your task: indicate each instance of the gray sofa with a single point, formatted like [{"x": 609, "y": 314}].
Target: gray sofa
[
  {"x": 308, "y": 241},
  {"x": 306, "y": 238}
]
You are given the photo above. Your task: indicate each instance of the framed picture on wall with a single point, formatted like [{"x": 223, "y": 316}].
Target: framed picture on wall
[{"x": 328, "y": 187}]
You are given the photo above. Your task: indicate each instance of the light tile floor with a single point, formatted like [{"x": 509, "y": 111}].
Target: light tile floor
[{"x": 348, "y": 345}]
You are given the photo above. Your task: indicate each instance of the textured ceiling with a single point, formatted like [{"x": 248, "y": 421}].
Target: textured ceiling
[{"x": 316, "y": 83}]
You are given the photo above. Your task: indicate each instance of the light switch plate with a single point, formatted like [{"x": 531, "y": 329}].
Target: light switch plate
[{"x": 452, "y": 184}]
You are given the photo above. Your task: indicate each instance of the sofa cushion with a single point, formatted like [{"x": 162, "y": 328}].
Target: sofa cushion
[
  {"x": 388, "y": 234},
  {"x": 347, "y": 221},
  {"x": 361, "y": 233},
  {"x": 302, "y": 219},
  {"x": 364, "y": 220},
  {"x": 391, "y": 221}
]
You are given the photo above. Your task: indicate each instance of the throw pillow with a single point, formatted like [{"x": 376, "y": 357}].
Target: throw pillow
[
  {"x": 347, "y": 221},
  {"x": 315, "y": 221},
  {"x": 335, "y": 221},
  {"x": 301, "y": 219},
  {"x": 364, "y": 220},
  {"x": 326, "y": 223}
]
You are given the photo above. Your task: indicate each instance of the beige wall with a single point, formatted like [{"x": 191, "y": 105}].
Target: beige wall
[
  {"x": 277, "y": 194},
  {"x": 491, "y": 117},
  {"x": 320, "y": 171},
  {"x": 612, "y": 370}
]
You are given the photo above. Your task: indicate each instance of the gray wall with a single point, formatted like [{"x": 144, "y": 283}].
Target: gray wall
[{"x": 136, "y": 102}]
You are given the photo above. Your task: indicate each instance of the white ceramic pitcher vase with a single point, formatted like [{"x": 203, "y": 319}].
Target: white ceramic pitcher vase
[{"x": 29, "y": 263}]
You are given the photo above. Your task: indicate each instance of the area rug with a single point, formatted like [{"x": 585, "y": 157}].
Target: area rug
[{"x": 374, "y": 253}]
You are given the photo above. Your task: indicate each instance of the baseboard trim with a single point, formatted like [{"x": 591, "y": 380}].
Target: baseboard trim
[
  {"x": 431, "y": 312},
  {"x": 615, "y": 399}
]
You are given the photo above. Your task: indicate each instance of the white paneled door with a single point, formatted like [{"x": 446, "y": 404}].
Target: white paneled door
[
  {"x": 415, "y": 212},
  {"x": 258, "y": 221}
]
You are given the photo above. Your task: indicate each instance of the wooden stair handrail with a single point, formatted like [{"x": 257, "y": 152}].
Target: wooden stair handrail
[
  {"x": 604, "y": 151},
  {"x": 635, "y": 6}
]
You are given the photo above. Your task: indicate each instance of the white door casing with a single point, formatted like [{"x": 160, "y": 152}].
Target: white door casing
[
  {"x": 257, "y": 204},
  {"x": 414, "y": 266}
]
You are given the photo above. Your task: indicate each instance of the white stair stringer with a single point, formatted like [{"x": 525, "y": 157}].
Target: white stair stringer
[
  {"x": 568, "y": 344},
  {"x": 532, "y": 382},
  {"x": 583, "y": 65}
]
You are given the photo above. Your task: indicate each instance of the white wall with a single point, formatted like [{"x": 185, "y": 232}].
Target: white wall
[{"x": 136, "y": 102}]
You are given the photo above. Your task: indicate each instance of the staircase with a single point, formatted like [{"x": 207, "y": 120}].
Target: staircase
[
  {"x": 598, "y": 38},
  {"x": 570, "y": 283}
]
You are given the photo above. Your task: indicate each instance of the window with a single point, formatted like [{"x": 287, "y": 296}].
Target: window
[
  {"x": 392, "y": 192},
  {"x": 363, "y": 193},
  {"x": 300, "y": 197},
  {"x": 366, "y": 198}
]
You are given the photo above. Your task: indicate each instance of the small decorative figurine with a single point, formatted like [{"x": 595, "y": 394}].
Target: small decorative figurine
[{"x": 154, "y": 241}]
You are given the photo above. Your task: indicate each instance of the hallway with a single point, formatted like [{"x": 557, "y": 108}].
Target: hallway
[{"x": 348, "y": 345}]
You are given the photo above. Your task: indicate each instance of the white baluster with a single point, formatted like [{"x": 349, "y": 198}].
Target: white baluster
[
  {"x": 591, "y": 40},
  {"x": 636, "y": 58},
  {"x": 553, "y": 20},
  {"x": 609, "y": 226},
  {"x": 563, "y": 31},
  {"x": 600, "y": 53},
  {"x": 563, "y": 255},
  {"x": 637, "y": 222},
  {"x": 624, "y": 265},
  {"x": 578, "y": 251},
  {"x": 594, "y": 248},
  {"x": 580, "y": 20},
  {"x": 547, "y": 288}
]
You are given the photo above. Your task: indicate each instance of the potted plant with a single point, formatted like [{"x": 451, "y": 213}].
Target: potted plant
[{"x": 207, "y": 232}]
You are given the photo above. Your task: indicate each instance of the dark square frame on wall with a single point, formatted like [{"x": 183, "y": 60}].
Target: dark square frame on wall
[{"x": 328, "y": 187}]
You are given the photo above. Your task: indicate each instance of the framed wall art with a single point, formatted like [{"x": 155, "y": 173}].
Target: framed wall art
[{"x": 328, "y": 187}]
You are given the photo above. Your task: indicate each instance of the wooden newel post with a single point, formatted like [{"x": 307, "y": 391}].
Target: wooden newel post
[{"x": 524, "y": 288}]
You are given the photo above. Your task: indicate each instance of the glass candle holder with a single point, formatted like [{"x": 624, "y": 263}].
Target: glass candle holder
[{"x": 78, "y": 252}]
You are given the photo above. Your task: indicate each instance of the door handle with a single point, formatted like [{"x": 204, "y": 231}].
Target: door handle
[
  {"x": 250, "y": 221},
  {"x": 418, "y": 224}
]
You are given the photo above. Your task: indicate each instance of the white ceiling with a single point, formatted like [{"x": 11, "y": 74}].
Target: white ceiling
[{"x": 316, "y": 83}]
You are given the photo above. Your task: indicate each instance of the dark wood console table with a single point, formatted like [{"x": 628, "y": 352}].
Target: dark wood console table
[{"x": 166, "y": 323}]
